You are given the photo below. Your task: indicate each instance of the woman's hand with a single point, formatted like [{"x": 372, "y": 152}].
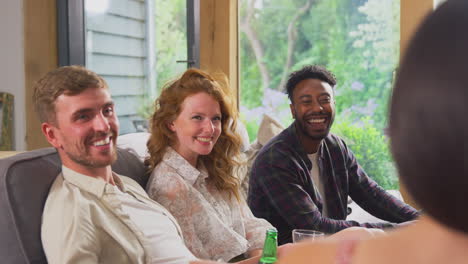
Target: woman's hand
[
  {"x": 254, "y": 253},
  {"x": 282, "y": 250}
]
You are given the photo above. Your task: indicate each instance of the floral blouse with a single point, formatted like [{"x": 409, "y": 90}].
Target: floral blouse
[{"x": 215, "y": 226}]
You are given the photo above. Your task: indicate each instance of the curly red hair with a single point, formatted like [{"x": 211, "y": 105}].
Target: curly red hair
[{"x": 220, "y": 163}]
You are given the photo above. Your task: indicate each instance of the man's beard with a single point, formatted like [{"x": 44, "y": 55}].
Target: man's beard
[
  {"x": 81, "y": 154},
  {"x": 87, "y": 161}
]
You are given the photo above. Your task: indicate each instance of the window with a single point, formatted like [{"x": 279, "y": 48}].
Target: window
[
  {"x": 357, "y": 40},
  {"x": 135, "y": 45}
]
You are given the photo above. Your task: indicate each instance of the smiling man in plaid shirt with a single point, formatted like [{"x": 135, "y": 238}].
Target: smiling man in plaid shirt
[{"x": 302, "y": 178}]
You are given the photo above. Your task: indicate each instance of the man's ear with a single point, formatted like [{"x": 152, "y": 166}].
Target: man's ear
[
  {"x": 293, "y": 111},
  {"x": 49, "y": 132}
]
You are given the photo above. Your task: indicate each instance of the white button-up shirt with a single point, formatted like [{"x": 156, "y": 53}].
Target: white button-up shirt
[{"x": 87, "y": 220}]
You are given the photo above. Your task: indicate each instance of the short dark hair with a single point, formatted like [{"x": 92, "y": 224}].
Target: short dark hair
[
  {"x": 308, "y": 72},
  {"x": 428, "y": 109},
  {"x": 68, "y": 80}
]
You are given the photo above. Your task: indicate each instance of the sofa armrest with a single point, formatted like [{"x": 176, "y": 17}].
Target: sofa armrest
[{"x": 6, "y": 154}]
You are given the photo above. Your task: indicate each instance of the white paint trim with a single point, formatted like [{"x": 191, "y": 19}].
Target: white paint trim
[{"x": 12, "y": 65}]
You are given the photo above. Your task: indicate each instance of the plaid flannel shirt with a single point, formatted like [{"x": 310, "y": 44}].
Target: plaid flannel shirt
[{"x": 282, "y": 191}]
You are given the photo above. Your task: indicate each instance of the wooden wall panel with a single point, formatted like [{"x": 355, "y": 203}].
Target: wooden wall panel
[
  {"x": 132, "y": 9},
  {"x": 117, "y": 45},
  {"x": 116, "y": 65},
  {"x": 412, "y": 13},
  {"x": 40, "y": 56},
  {"x": 219, "y": 38},
  {"x": 113, "y": 24},
  {"x": 123, "y": 86}
]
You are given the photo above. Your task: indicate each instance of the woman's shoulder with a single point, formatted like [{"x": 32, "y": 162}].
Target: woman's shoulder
[
  {"x": 163, "y": 170},
  {"x": 165, "y": 178}
]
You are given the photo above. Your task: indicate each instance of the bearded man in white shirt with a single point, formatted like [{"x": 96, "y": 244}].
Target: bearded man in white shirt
[{"x": 93, "y": 215}]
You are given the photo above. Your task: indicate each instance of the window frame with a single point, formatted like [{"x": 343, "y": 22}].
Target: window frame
[
  {"x": 71, "y": 28},
  {"x": 71, "y": 32}
]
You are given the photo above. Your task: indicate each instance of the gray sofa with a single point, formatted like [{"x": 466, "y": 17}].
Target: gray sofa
[{"x": 25, "y": 180}]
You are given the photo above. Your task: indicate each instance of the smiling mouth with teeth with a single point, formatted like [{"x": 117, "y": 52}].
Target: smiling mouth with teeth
[
  {"x": 316, "y": 121},
  {"x": 204, "y": 139},
  {"x": 103, "y": 142}
]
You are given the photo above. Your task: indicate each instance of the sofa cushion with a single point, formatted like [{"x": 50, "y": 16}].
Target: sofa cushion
[
  {"x": 244, "y": 135},
  {"x": 269, "y": 128},
  {"x": 25, "y": 180},
  {"x": 135, "y": 143}
]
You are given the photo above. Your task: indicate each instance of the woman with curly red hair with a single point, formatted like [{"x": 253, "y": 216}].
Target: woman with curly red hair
[{"x": 193, "y": 150}]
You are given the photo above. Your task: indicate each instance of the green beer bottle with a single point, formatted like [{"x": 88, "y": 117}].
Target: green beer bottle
[{"x": 270, "y": 247}]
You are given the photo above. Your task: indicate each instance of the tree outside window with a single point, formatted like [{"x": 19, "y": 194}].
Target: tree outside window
[{"x": 357, "y": 40}]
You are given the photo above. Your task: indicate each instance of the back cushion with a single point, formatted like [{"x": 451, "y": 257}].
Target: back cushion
[{"x": 25, "y": 180}]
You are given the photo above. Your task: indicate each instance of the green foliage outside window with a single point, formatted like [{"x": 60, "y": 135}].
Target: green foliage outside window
[
  {"x": 357, "y": 40},
  {"x": 170, "y": 39},
  {"x": 370, "y": 148}
]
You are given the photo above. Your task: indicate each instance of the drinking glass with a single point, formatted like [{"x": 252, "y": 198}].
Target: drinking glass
[{"x": 301, "y": 234}]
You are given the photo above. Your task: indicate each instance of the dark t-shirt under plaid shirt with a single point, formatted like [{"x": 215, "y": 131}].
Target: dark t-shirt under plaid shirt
[{"x": 282, "y": 191}]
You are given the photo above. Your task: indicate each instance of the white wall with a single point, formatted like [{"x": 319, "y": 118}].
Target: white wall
[{"x": 12, "y": 64}]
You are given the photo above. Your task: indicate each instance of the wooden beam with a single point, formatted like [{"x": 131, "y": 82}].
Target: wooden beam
[
  {"x": 412, "y": 13},
  {"x": 219, "y": 39},
  {"x": 40, "y": 56}
]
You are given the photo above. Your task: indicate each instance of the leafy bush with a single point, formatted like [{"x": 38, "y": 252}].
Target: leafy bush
[{"x": 370, "y": 147}]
